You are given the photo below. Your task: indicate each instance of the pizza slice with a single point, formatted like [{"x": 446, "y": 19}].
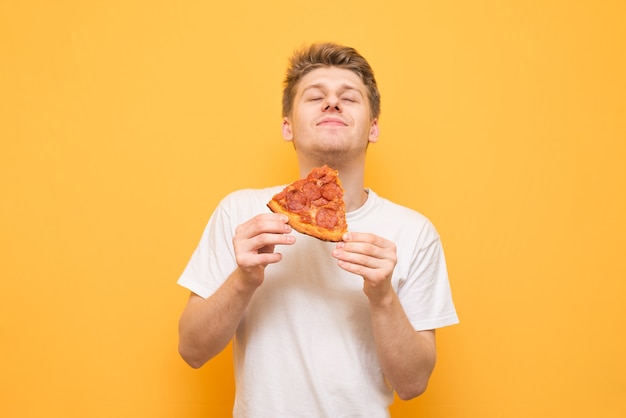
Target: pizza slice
[{"x": 314, "y": 204}]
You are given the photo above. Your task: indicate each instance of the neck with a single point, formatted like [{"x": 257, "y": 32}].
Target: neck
[{"x": 354, "y": 199}]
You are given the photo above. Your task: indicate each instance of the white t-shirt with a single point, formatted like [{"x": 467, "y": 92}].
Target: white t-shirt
[{"x": 305, "y": 346}]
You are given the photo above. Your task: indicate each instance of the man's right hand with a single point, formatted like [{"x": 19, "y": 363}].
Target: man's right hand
[{"x": 254, "y": 243}]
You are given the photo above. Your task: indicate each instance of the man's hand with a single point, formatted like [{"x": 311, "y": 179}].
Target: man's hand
[
  {"x": 372, "y": 258},
  {"x": 407, "y": 357},
  {"x": 254, "y": 243},
  {"x": 207, "y": 325}
]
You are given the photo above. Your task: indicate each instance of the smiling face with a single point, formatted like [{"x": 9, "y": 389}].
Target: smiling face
[{"x": 330, "y": 121}]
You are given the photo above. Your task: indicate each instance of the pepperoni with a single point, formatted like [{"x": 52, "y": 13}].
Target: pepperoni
[
  {"x": 328, "y": 178},
  {"x": 326, "y": 218},
  {"x": 298, "y": 184},
  {"x": 319, "y": 202},
  {"x": 311, "y": 191},
  {"x": 334, "y": 205},
  {"x": 296, "y": 200},
  {"x": 318, "y": 172},
  {"x": 281, "y": 196},
  {"x": 331, "y": 191}
]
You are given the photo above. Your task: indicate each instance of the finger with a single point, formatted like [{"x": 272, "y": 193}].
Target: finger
[
  {"x": 249, "y": 253},
  {"x": 254, "y": 260},
  {"x": 369, "y": 273},
  {"x": 373, "y": 271},
  {"x": 270, "y": 222},
  {"x": 367, "y": 238},
  {"x": 367, "y": 267},
  {"x": 266, "y": 240},
  {"x": 363, "y": 253},
  {"x": 263, "y": 243}
]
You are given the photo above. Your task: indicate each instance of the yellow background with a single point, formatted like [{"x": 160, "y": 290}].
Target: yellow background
[{"x": 122, "y": 124}]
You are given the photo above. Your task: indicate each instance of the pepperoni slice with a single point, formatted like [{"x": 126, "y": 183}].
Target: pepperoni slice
[
  {"x": 328, "y": 178},
  {"x": 296, "y": 200},
  {"x": 318, "y": 172},
  {"x": 311, "y": 191},
  {"x": 331, "y": 191},
  {"x": 326, "y": 218},
  {"x": 319, "y": 202}
]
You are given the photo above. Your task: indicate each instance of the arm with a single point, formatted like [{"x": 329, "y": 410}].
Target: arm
[
  {"x": 207, "y": 325},
  {"x": 407, "y": 357}
]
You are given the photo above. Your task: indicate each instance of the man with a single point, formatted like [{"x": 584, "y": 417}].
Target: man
[{"x": 320, "y": 329}]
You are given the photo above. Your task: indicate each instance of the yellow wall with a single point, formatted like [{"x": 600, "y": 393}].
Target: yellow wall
[{"x": 122, "y": 123}]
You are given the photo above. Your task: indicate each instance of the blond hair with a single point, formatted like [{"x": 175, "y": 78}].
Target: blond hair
[{"x": 329, "y": 54}]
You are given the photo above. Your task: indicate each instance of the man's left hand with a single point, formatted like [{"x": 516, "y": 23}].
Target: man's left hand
[{"x": 372, "y": 258}]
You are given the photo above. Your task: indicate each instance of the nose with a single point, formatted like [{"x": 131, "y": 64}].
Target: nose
[{"x": 332, "y": 104}]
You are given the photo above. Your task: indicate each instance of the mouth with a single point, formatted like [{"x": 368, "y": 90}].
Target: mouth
[{"x": 331, "y": 122}]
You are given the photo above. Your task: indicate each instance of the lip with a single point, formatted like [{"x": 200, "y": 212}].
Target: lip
[{"x": 331, "y": 121}]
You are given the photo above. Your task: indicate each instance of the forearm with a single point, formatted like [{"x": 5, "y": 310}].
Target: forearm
[
  {"x": 206, "y": 326},
  {"x": 407, "y": 357}
]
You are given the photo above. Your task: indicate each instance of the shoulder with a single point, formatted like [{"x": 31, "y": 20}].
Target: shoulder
[
  {"x": 251, "y": 195},
  {"x": 239, "y": 206},
  {"x": 395, "y": 212},
  {"x": 398, "y": 209},
  {"x": 246, "y": 202},
  {"x": 401, "y": 219}
]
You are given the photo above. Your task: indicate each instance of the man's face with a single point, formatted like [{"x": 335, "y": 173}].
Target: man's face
[{"x": 330, "y": 119}]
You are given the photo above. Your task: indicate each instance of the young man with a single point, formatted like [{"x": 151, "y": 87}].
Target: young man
[{"x": 320, "y": 329}]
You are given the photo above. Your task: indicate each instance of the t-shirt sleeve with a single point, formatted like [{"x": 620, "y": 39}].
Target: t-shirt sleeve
[
  {"x": 425, "y": 294},
  {"x": 213, "y": 259}
]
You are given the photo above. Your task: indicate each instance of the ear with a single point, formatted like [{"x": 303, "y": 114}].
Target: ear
[
  {"x": 374, "y": 131},
  {"x": 287, "y": 132}
]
